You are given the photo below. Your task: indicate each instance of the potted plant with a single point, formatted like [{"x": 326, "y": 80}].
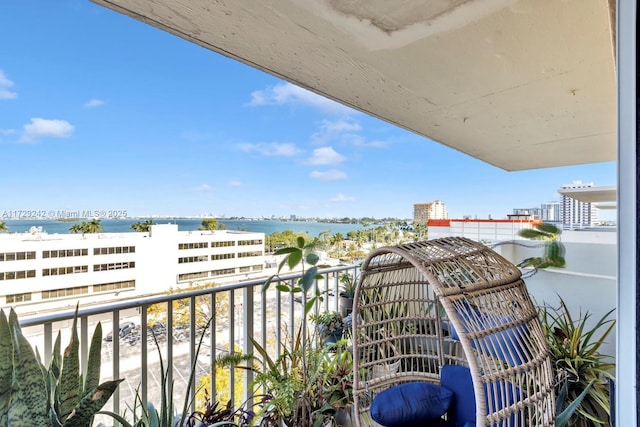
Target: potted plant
[
  {"x": 347, "y": 293},
  {"x": 60, "y": 395},
  {"x": 338, "y": 382},
  {"x": 329, "y": 326},
  {"x": 296, "y": 379},
  {"x": 583, "y": 373}
]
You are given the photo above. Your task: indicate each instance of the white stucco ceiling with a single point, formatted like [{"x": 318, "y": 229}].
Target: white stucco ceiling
[{"x": 520, "y": 84}]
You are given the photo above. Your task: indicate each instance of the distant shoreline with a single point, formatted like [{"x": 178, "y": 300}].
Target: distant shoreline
[{"x": 267, "y": 226}]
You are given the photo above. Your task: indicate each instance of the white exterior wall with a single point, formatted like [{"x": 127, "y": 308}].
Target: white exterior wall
[
  {"x": 481, "y": 231},
  {"x": 156, "y": 267}
]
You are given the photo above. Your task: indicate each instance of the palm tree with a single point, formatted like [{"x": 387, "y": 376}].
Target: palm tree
[
  {"x": 142, "y": 226},
  {"x": 211, "y": 224},
  {"x": 94, "y": 226},
  {"x": 3, "y": 227},
  {"x": 336, "y": 241},
  {"x": 76, "y": 229},
  {"x": 553, "y": 248},
  {"x": 89, "y": 227}
]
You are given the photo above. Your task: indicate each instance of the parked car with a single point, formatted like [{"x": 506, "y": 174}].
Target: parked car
[{"x": 124, "y": 330}]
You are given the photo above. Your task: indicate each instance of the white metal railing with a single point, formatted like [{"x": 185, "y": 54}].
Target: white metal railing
[{"x": 222, "y": 317}]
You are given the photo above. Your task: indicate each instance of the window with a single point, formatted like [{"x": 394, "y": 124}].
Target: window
[
  {"x": 11, "y": 299},
  {"x": 224, "y": 244},
  {"x": 114, "y": 266},
  {"x": 249, "y": 254},
  {"x": 113, "y": 286},
  {"x": 189, "y": 259},
  {"x": 114, "y": 250},
  {"x": 223, "y": 271},
  {"x": 61, "y": 253},
  {"x": 13, "y": 275},
  {"x": 196, "y": 245},
  {"x": 215, "y": 257},
  {"x": 192, "y": 276},
  {"x": 59, "y": 271},
  {"x": 249, "y": 242},
  {"x": 64, "y": 292}
]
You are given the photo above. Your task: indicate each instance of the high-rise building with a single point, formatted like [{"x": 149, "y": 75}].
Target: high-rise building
[
  {"x": 530, "y": 213},
  {"x": 550, "y": 212},
  {"x": 422, "y": 212},
  {"x": 575, "y": 213}
]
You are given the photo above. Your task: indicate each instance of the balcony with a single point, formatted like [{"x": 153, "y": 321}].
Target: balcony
[{"x": 179, "y": 322}]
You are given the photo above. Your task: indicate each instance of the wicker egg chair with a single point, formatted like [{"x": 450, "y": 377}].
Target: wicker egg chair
[{"x": 452, "y": 313}]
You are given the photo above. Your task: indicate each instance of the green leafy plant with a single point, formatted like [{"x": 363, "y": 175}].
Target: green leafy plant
[
  {"x": 553, "y": 249},
  {"x": 338, "y": 376},
  {"x": 61, "y": 395},
  {"x": 328, "y": 322},
  {"x": 165, "y": 415},
  {"x": 347, "y": 285},
  {"x": 294, "y": 380},
  {"x": 582, "y": 372}
]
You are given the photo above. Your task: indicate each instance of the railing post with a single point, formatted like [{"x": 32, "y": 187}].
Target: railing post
[
  {"x": 248, "y": 334},
  {"x": 144, "y": 346}
]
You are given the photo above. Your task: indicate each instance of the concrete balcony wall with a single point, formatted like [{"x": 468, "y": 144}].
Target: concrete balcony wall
[{"x": 586, "y": 284}]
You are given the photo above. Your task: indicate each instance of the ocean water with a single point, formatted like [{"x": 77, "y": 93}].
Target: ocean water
[{"x": 313, "y": 229}]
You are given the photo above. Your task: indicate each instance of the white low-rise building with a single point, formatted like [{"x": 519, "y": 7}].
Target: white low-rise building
[{"x": 41, "y": 272}]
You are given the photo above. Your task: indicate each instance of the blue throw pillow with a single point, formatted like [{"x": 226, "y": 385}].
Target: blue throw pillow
[
  {"x": 410, "y": 403},
  {"x": 458, "y": 380}
]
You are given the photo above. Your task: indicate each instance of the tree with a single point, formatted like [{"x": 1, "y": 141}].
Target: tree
[
  {"x": 3, "y": 227},
  {"x": 142, "y": 226},
  {"x": 88, "y": 227},
  {"x": 553, "y": 248},
  {"x": 336, "y": 240},
  {"x": 211, "y": 224}
]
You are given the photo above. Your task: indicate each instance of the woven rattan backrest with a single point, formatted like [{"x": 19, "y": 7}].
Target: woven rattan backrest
[{"x": 451, "y": 301}]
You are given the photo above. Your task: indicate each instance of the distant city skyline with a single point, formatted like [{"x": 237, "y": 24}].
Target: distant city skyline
[{"x": 102, "y": 112}]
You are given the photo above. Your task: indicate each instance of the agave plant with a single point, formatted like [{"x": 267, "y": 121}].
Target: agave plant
[{"x": 61, "y": 395}]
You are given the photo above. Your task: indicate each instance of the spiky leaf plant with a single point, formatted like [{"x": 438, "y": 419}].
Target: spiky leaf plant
[
  {"x": 580, "y": 367},
  {"x": 58, "y": 396}
]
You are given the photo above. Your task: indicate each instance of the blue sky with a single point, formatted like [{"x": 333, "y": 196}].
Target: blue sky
[{"x": 101, "y": 112}]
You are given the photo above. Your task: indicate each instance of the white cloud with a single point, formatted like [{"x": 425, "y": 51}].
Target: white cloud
[
  {"x": 7, "y": 131},
  {"x": 94, "y": 103},
  {"x": 342, "y": 198},
  {"x": 326, "y": 156},
  {"x": 361, "y": 141},
  {"x": 5, "y": 84},
  {"x": 271, "y": 149},
  {"x": 289, "y": 94},
  {"x": 330, "y": 175},
  {"x": 42, "y": 128},
  {"x": 331, "y": 130},
  {"x": 235, "y": 183}
]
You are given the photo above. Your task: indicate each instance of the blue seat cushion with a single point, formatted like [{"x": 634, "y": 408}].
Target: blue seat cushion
[
  {"x": 462, "y": 412},
  {"x": 410, "y": 404},
  {"x": 500, "y": 344}
]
